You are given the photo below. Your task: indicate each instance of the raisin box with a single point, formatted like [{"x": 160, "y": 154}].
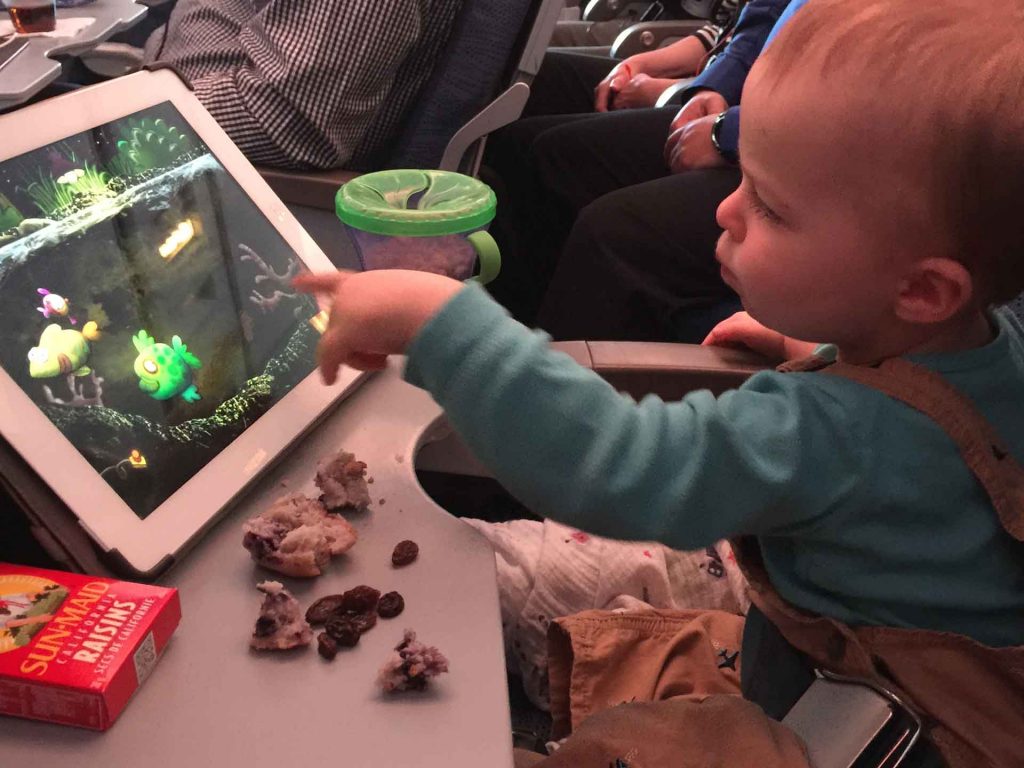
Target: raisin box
[{"x": 73, "y": 648}]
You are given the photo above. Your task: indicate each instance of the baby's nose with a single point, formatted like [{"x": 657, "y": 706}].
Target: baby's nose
[{"x": 730, "y": 217}]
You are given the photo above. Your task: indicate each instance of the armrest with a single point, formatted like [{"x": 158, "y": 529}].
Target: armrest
[
  {"x": 651, "y": 35},
  {"x": 671, "y": 94},
  {"x": 313, "y": 189},
  {"x": 666, "y": 370},
  {"x": 463, "y": 152},
  {"x": 113, "y": 59},
  {"x": 603, "y": 10},
  {"x": 589, "y": 50}
]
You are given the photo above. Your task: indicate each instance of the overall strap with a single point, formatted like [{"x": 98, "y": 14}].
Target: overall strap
[{"x": 984, "y": 452}]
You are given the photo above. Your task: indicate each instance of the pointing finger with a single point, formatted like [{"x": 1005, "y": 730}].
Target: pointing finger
[
  {"x": 331, "y": 354},
  {"x": 325, "y": 282}
]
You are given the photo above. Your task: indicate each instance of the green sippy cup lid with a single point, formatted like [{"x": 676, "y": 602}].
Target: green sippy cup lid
[{"x": 416, "y": 203}]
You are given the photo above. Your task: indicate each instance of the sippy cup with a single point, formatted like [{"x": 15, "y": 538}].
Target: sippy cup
[{"x": 434, "y": 221}]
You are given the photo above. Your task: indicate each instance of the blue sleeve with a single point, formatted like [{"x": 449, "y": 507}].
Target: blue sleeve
[
  {"x": 573, "y": 449},
  {"x": 794, "y": 6},
  {"x": 727, "y": 73}
]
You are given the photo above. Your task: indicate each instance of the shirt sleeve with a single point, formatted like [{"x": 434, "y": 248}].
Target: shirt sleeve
[
  {"x": 298, "y": 82},
  {"x": 709, "y": 35},
  {"x": 573, "y": 449},
  {"x": 728, "y": 72}
]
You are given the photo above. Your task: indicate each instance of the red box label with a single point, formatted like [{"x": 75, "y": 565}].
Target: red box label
[{"x": 74, "y": 648}]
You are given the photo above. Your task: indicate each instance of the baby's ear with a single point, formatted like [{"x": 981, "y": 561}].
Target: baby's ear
[{"x": 934, "y": 290}]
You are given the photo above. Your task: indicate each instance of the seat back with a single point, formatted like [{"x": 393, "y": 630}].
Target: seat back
[{"x": 496, "y": 45}]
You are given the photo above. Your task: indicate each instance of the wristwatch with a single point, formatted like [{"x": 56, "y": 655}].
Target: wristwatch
[{"x": 716, "y": 128}]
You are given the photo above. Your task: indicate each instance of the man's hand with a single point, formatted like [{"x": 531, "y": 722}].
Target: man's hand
[
  {"x": 641, "y": 91},
  {"x": 612, "y": 84},
  {"x": 690, "y": 147},
  {"x": 374, "y": 314},
  {"x": 741, "y": 331},
  {"x": 701, "y": 104},
  {"x": 689, "y": 140}
]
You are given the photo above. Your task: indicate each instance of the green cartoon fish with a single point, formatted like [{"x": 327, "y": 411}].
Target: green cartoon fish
[
  {"x": 165, "y": 371},
  {"x": 62, "y": 351}
]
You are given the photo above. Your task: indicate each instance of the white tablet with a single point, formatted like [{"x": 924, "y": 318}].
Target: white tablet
[{"x": 153, "y": 354}]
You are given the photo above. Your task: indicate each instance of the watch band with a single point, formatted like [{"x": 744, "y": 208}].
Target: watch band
[{"x": 716, "y": 128}]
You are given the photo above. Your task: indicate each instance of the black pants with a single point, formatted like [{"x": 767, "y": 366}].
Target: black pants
[
  {"x": 565, "y": 83},
  {"x": 552, "y": 173},
  {"x": 639, "y": 264}
]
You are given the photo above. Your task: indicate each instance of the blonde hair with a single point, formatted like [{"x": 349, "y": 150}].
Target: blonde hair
[{"x": 949, "y": 75}]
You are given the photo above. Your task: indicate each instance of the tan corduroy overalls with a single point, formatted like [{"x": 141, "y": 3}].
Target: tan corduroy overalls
[{"x": 969, "y": 696}]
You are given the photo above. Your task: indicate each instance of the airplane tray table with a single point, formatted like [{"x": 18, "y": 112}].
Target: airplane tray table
[
  {"x": 213, "y": 702},
  {"x": 33, "y": 69}
]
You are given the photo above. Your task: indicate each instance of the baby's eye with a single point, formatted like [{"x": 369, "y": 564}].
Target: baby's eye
[
  {"x": 758, "y": 205},
  {"x": 150, "y": 366},
  {"x": 764, "y": 211},
  {"x": 37, "y": 355}
]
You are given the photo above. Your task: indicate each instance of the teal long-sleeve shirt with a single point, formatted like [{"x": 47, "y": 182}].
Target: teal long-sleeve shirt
[{"x": 862, "y": 506}]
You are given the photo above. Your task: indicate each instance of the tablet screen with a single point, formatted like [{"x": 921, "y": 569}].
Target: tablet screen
[{"x": 145, "y": 301}]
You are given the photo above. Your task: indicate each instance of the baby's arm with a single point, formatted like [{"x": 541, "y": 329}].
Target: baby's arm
[
  {"x": 374, "y": 314},
  {"x": 571, "y": 447}
]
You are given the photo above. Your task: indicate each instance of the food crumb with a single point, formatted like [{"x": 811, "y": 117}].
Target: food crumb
[
  {"x": 342, "y": 481},
  {"x": 280, "y": 625},
  {"x": 411, "y": 665},
  {"x": 297, "y": 537}
]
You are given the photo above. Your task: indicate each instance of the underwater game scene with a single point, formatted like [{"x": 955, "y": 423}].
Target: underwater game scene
[{"x": 146, "y": 304}]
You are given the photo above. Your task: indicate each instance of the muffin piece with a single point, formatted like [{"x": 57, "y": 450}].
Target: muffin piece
[
  {"x": 342, "y": 481},
  {"x": 411, "y": 665},
  {"x": 281, "y": 624},
  {"x": 297, "y": 537}
]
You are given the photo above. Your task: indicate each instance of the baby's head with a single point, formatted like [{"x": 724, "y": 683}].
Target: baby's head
[{"x": 882, "y": 145}]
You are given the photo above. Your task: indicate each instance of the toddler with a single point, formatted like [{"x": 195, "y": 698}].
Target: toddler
[{"x": 882, "y": 149}]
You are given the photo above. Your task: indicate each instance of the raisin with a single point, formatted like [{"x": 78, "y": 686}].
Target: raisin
[
  {"x": 323, "y": 608},
  {"x": 405, "y": 552},
  {"x": 364, "y": 622},
  {"x": 343, "y": 630},
  {"x": 260, "y": 546},
  {"x": 326, "y": 646},
  {"x": 361, "y": 599},
  {"x": 390, "y": 605},
  {"x": 265, "y": 626}
]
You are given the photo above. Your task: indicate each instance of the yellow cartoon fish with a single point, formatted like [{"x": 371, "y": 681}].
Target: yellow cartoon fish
[{"x": 62, "y": 351}]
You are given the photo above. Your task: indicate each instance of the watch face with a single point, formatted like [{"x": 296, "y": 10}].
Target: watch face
[{"x": 716, "y": 129}]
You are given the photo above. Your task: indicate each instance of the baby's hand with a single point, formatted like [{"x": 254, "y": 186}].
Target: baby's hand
[
  {"x": 741, "y": 330},
  {"x": 374, "y": 314}
]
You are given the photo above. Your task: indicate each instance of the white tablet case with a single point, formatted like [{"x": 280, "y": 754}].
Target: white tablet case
[{"x": 146, "y": 547}]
